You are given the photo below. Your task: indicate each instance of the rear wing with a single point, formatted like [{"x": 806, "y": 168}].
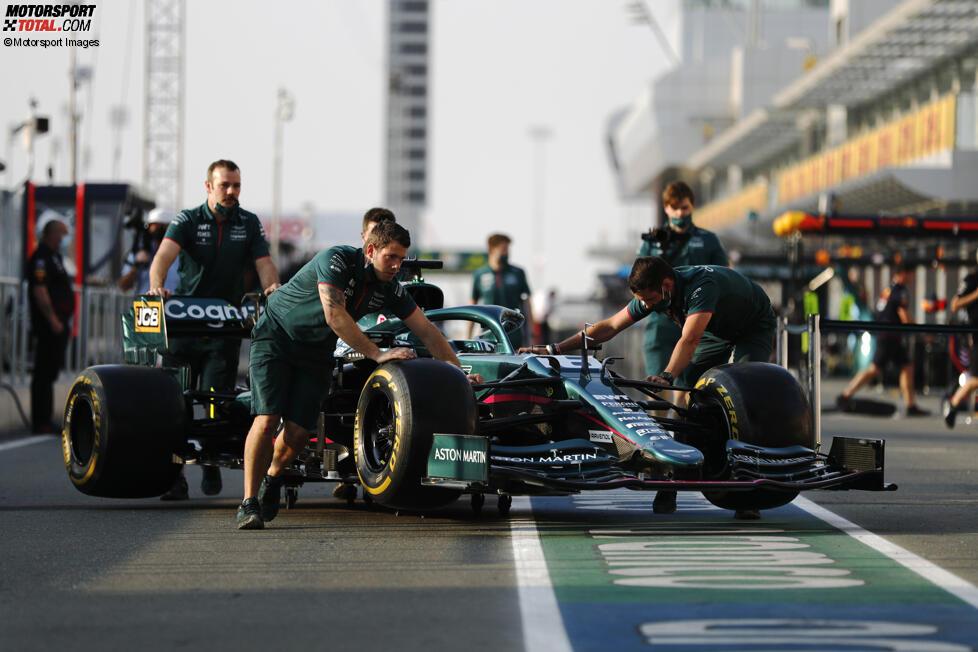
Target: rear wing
[{"x": 149, "y": 324}]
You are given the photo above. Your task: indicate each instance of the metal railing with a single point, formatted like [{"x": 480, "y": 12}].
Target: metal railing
[
  {"x": 816, "y": 326},
  {"x": 99, "y": 330}
]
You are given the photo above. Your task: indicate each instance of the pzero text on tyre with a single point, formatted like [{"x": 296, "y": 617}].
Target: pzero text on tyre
[
  {"x": 122, "y": 426},
  {"x": 401, "y": 405}
]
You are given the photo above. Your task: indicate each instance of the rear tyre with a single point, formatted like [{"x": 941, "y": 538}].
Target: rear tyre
[
  {"x": 761, "y": 404},
  {"x": 123, "y": 426},
  {"x": 402, "y": 404}
]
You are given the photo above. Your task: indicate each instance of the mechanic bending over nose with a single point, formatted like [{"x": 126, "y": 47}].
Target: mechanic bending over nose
[
  {"x": 292, "y": 352},
  {"x": 719, "y": 310},
  {"x": 214, "y": 242}
]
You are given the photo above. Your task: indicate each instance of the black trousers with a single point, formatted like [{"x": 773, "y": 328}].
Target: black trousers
[{"x": 49, "y": 357}]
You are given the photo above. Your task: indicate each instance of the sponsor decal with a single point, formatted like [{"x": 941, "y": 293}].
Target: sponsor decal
[
  {"x": 147, "y": 316},
  {"x": 458, "y": 455},
  {"x": 554, "y": 458},
  {"x": 178, "y": 309},
  {"x": 238, "y": 233},
  {"x": 601, "y": 436}
]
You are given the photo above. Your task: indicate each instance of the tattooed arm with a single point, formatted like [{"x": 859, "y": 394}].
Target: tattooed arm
[{"x": 338, "y": 319}]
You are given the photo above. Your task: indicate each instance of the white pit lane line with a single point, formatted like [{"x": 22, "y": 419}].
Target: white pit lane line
[
  {"x": 543, "y": 626},
  {"x": 930, "y": 571},
  {"x": 27, "y": 441}
]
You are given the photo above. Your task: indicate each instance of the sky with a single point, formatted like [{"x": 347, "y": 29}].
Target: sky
[{"x": 499, "y": 68}]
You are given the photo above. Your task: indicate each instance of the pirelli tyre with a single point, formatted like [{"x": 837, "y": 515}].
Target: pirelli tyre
[
  {"x": 401, "y": 405},
  {"x": 122, "y": 426},
  {"x": 761, "y": 404}
]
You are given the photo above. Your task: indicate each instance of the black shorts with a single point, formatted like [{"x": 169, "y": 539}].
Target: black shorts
[{"x": 890, "y": 349}]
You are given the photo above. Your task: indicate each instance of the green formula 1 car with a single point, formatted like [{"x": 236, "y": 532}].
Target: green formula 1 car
[{"x": 416, "y": 434}]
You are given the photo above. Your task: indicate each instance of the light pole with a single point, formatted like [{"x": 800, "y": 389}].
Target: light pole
[
  {"x": 284, "y": 110},
  {"x": 539, "y": 134}
]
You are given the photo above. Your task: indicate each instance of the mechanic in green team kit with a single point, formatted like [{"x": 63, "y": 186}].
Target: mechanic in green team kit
[
  {"x": 680, "y": 242},
  {"x": 501, "y": 284},
  {"x": 214, "y": 243},
  {"x": 292, "y": 352},
  {"x": 719, "y": 311}
]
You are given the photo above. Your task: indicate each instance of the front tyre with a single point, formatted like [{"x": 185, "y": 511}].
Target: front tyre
[
  {"x": 756, "y": 403},
  {"x": 123, "y": 425},
  {"x": 401, "y": 406}
]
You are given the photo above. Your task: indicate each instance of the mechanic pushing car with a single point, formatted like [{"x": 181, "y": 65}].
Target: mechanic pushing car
[
  {"x": 292, "y": 352},
  {"x": 719, "y": 310},
  {"x": 214, "y": 242},
  {"x": 680, "y": 242}
]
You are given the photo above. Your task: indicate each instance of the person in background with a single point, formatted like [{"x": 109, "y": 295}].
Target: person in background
[
  {"x": 966, "y": 299},
  {"x": 680, "y": 242},
  {"x": 52, "y": 305},
  {"x": 892, "y": 308},
  {"x": 372, "y": 218},
  {"x": 213, "y": 241},
  {"x": 501, "y": 284},
  {"x": 135, "y": 272}
]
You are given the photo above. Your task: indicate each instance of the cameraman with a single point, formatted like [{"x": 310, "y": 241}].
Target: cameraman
[
  {"x": 148, "y": 238},
  {"x": 679, "y": 243}
]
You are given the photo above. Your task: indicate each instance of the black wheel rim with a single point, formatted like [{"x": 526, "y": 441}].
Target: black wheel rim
[
  {"x": 82, "y": 431},
  {"x": 379, "y": 431}
]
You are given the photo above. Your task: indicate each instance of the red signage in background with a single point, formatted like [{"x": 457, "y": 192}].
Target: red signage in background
[{"x": 293, "y": 230}]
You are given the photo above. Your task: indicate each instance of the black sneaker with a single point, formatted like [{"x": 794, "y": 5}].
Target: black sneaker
[
  {"x": 949, "y": 411},
  {"x": 664, "y": 503},
  {"x": 249, "y": 515},
  {"x": 178, "y": 491},
  {"x": 842, "y": 402},
  {"x": 747, "y": 514},
  {"x": 211, "y": 483},
  {"x": 914, "y": 411},
  {"x": 270, "y": 495}
]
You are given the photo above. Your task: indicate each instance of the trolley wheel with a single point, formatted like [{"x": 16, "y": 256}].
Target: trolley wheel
[
  {"x": 291, "y": 497},
  {"x": 505, "y": 502}
]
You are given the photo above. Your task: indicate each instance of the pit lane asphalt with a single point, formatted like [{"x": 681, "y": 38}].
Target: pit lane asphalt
[{"x": 88, "y": 573}]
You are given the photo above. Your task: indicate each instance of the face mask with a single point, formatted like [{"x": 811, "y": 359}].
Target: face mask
[
  {"x": 681, "y": 222},
  {"x": 504, "y": 260},
  {"x": 227, "y": 212},
  {"x": 663, "y": 305}
]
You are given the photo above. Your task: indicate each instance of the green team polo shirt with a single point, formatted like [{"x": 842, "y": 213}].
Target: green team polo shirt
[
  {"x": 298, "y": 311},
  {"x": 507, "y": 287},
  {"x": 213, "y": 256},
  {"x": 702, "y": 248},
  {"x": 740, "y": 306}
]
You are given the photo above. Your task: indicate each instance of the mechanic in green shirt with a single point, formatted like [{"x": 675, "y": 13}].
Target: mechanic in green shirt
[
  {"x": 680, "y": 243},
  {"x": 214, "y": 242},
  {"x": 292, "y": 352},
  {"x": 501, "y": 284},
  {"x": 719, "y": 311}
]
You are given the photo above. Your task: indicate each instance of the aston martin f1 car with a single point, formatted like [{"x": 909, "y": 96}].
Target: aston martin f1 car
[{"x": 416, "y": 435}]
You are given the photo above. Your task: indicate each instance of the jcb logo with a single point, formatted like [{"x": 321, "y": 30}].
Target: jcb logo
[{"x": 147, "y": 318}]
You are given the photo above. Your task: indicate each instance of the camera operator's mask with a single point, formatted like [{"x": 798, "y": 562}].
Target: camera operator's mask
[{"x": 681, "y": 222}]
